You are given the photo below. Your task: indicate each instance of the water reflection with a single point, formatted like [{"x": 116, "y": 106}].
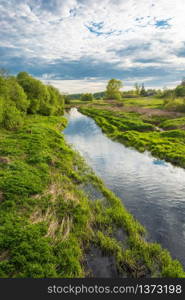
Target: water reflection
[{"x": 153, "y": 190}]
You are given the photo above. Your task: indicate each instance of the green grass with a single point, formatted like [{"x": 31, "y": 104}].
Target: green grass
[
  {"x": 118, "y": 121},
  {"x": 173, "y": 123},
  {"x": 147, "y": 102},
  {"x": 48, "y": 222},
  {"x": 177, "y": 104},
  {"x": 132, "y": 130}
]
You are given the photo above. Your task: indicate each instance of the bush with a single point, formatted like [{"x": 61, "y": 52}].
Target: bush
[
  {"x": 17, "y": 94},
  {"x": 45, "y": 100},
  {"x": 12, "y": 117},
  {"x": 177, "y": 104},
  {"x": 180, "y": 91},
  {"x": 87, "y": 97}
]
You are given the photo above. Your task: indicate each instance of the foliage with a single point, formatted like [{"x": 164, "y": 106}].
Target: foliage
[
  {"x": 173, "y": 123},
  {"x": 113, "y": 89},
  {"x": 143, "y": 91},
  {"x": 121, "y": 121},
  {"x": 180, "y": 91},
  {"x": 12, "y": 117},
  {"x": 10, "y": 90},
  {"x": 45, "y": 100},
  {"x": 87, "y": 97},
  {"x": 25, "y": 94},
  {"x": 137, "y": 88},
  {"x": 177, "y": 104}
]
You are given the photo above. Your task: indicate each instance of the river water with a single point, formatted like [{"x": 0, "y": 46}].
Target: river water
[{"x": 151, "y": 189}]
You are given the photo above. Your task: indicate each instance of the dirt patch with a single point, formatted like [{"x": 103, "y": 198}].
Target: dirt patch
[
  {"x": 4, "y": 160},
  {"x": 149, "y": 112},
  {"x": 4, "y": 255}
]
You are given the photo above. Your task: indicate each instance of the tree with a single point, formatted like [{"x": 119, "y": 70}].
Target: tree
[
  {"x": 44, "y": 99},
  {"x": 87, "y": 97},
  {"x": 25, "y": 94},
  {"x": 151, "y": 92},
  {"x": 183, "y": 81},
  {"x": 180, "y": 91},
  {"x": 137, "y": 88},
  {"x": 113, "y": 89},
  {"x": 168, "y": 94},
  {"x": 56, "y": 99},
  {"x": 67, "y": 99},
  {"x": 36, "y": 91},
  {"x": 17, "y": 94},
  {"x": 143, "y": 91}
]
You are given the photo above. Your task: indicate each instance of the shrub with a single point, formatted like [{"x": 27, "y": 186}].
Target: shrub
[
  {"x": 87, "y": 97},
  {"x": 12, "y": 117},
  {"x": 180, "y": 91}
]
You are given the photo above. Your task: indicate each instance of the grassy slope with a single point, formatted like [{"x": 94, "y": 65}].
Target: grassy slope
[
  {"x": 48, "y": 222},
  {"x": 139, "y": 131}
]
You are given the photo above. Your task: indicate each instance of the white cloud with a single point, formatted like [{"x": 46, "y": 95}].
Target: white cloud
[
  {"x": 78, "y": 86},
  {"x": 58, "y": 29},
  {"x": 92, "y": 85}
]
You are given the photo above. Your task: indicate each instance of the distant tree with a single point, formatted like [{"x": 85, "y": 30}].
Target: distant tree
[
  {"x": 180, "y": 91},
  {"x": 183, "y": 81},
  {"x": 137, "y": 89},
  {"x": 168, "y": 95},
  {"x": 99, "y": 95},
  {"x": 67, "y": 99},
  {"x": 113, "y": 89},
  {"x": 143, "y": 91},
  {"x": 151, "y": 92},
  {"x": 87, "y": 97}
]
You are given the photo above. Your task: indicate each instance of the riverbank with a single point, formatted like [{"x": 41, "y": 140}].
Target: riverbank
[
  {"x": 50, "y": 221},
  {"x": 162, "y": 135}
]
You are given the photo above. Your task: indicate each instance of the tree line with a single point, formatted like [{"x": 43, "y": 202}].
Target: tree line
[
  {"x": 113, "y": 91},
  {"x": 24, "y": 94}
]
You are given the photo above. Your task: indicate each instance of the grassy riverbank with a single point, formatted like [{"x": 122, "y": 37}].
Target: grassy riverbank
[
  {"x": 162, "y": 135},
  {"x": 48, "y": 220}
]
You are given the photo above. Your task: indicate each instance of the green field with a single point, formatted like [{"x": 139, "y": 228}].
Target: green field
[
  {"x": 148, "y": 102},
  {"x": 140, "y": 132}
]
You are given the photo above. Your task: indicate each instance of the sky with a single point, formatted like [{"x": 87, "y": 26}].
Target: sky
[{"x": 78, "y": 45}]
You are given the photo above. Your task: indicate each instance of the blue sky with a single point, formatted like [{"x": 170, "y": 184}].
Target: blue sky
[{"x": 78, "y": 45}]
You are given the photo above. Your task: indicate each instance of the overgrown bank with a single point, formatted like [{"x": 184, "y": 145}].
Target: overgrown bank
[
  {"x": 140, "y": 132},
  {"x": 48, "y": 222}
]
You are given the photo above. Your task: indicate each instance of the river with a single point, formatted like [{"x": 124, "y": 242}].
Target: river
[{"x": 151, "y": 189}]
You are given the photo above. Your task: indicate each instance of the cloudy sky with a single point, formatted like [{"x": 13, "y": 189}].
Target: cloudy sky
[{"x": 77, "y": 45}]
